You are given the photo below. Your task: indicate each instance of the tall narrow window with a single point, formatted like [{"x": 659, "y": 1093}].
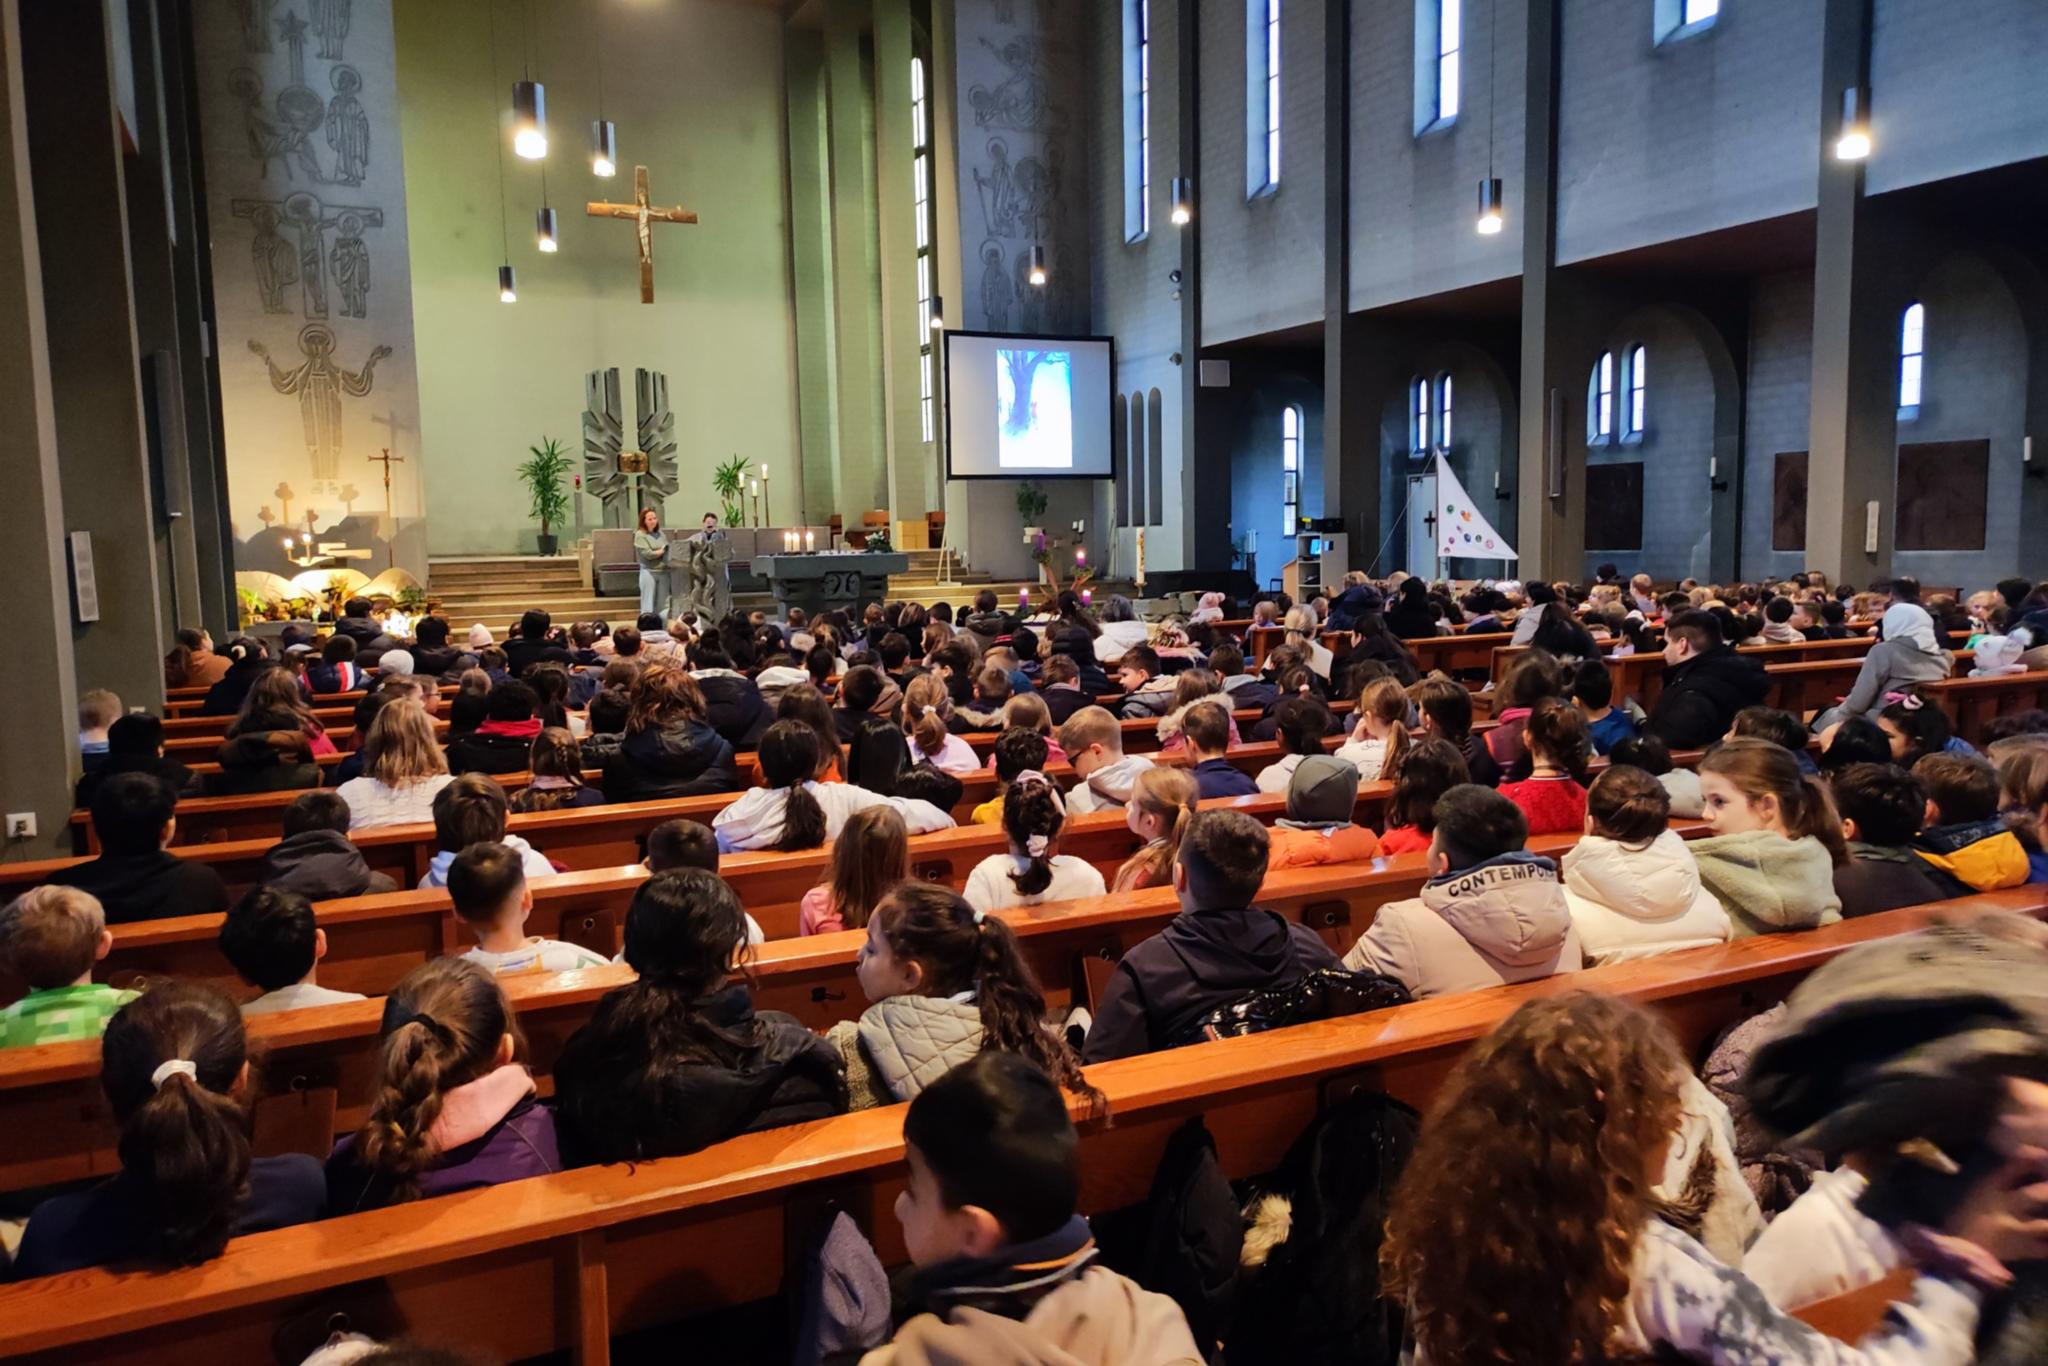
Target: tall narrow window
[
  {"x": 1261, "y": 97},
  {"x": 1448, "y": 29},
  {"x": 1600, "y": 399},
  {"x": 1439, "y": 50},
  {"x": 1418, "y": 442},
  {"x": 1912, "y": 355},
  {"x": 1290, "y": 469},
  {"x": 1682, "y": 18},
  {"x": 1638, "y": 360},
  {"x": 1443, "y": 413},
  {"x": 921, "y": 189},
  {"x": 1137, "y": 119}
]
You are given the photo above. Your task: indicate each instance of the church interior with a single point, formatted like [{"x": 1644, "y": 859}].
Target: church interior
[{"x": 1035, "y": 509}]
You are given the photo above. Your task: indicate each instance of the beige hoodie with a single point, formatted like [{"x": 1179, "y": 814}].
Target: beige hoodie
[
  {"x": 1504, "y": 920},
  {"x": 1098, "y": 1319}
]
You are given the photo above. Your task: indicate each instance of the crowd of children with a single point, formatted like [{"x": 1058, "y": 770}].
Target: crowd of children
[{"x": 1540, "y": 1202}]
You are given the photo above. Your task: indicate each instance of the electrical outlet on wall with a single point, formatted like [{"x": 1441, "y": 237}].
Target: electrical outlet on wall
[{"x": 21, "y": 825}]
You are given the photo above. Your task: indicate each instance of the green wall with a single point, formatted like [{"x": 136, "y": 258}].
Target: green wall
[{"x": 696, "y": 88}]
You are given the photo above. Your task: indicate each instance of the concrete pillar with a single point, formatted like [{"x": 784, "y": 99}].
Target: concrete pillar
[
  {"x": 909, "y": 458},
  {"x": 1859, "y": 250},
  {"x": 1204, "y": 473},
  {"x": 812, "y": 286},
  {"x": 1351, "y": 447},
  {"x": 857, "y": 303},
  {"x": 81, "y": 212},
  {"x": 38, "y": 745}
]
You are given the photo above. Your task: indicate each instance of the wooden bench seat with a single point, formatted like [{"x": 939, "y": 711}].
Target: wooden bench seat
[{"x": 571, "y": 1260}]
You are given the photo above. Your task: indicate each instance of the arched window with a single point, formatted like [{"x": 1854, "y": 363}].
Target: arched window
[
  {"x": 1443, "y": 412},
  {"x": 1600, "y": 400},
  {"x": 1418, "y": 429},
  {"x": 1682, "y": 18},
  {"x": 1912, "y": 355},
  {"x": 1638, "y": 361},
  {"x": 1290, "y": 469}
]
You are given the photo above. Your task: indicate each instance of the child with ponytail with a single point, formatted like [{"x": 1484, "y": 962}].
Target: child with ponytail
[
  {"x": 1771, "y": 859},
  {"x": 1379, "y": 742},
  {"x": 796, "y": 811},
  {"x": 1553, "y": 796},
  {"x": 947, "y": 982},
  {"x": 1034, "y": 870},
  {"x": 680, "y": 1059},
  {"x": 1433, "y": 767},
  {"x": 871, "y": 855},
  {"x": 174, "y": 1064},
  {"x": 1162, "y": 802},
  {"x": 454, "y": 1108},
  {"x": 927, "y": 712}
]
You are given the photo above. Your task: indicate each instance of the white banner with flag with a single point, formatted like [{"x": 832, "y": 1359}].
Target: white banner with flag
[{"x": 1461, "y": 532}]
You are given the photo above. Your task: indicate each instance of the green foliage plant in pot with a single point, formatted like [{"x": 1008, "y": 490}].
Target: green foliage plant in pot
[
  {"x": 546, "y": 467},
  {"x": 729, "y": 482},
  {"x": 1031, "y": 505}
]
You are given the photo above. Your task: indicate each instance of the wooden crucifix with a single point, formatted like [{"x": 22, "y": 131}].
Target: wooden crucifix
[{"x": 644, "y": 216}]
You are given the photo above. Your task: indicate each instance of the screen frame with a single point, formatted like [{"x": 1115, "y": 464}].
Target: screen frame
[{"x": 946, "y": 397}]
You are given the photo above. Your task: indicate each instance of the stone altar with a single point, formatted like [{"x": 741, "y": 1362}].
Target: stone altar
[{"x": 820, "y": 582}]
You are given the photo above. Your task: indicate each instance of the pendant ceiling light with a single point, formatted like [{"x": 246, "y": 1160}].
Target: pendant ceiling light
[
  {"x": 508, "y": 280},
  {"x": 529, "y": 106},
  {"x": 1183, "y": 211},
  {"x": 508, "y": 285},
  {"x": 604, "y": 134},
  {"x": 1853, "y": 143},
  {"x": 1492, "y": 216},
  {"x": 1037, "y": 276},
  {"x": 938, "y": 314}
]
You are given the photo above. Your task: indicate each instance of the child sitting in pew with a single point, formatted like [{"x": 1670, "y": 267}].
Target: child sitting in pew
[
  {"x": 1027, "y": 711},
  {"x": 1380, "y": 739},
  {"x": 556, "y": 762},
  {"x": 137, "y": 876},
  {"x": 1962, "y": 835},
  {"x": 871, "y": 855},
  {"x": 1445, "y": 709},
  {"x": 1161, "y": 805},
  {"x": 1781, "y": 728},
  {"x": 1299, "y": 725},
  {"x": 1490, "y": 913},
  {"x": 316, "y": 859},
  {"x": 1882, "y": 808},
  {"x": 947, "y": 982},
  {"x": 1553, "y": 796},
  {"x": 1218, "y": 950},
  {"x": 1206, "y": 727},
  {"x": 1631, "y": 883},
  {"x": 455, "y": 1109},
  {"x": 1017, "y": 751},
  {"x": 270, "y": 938},
  {"x": 50, "y": 937},
  {"x": 174, "y": 1065},
  {"x": 2023, "y": 795},
  {"x": 1033, "y": 870},
  {"x": 1147, "y": 692},
  {"x": 1916, "y": 726},
  {"x": 796, "y": 811},
  {"x": 1776, "y": 840},
  {"x": 1432, "y": 768},
  {"x": 683, "y": 843},
  {"x": 1005, "y": 1265},
  {"x": 1094, "y": 742},
  {"x": 488, "y": 886},
  {"x": 473, "y": 810},
  {"x": 680, "y": 1059},
  {"x": 1318, "y": 828},
  {"x": 927, "y": 719},
  {"x": 1648, "y": 753},
  {"x": 1606, "y": 724}
]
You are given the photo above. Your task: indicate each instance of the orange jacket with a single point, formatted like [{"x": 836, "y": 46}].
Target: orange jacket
[{"x": 1306, "y": 848}]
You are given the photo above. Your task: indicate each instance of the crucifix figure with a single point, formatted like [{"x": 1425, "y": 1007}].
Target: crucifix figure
[
  {"x": 644, "y": 218},
  {"x": 387, "y": 460}
]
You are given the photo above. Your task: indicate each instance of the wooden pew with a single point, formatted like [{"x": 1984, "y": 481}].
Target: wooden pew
[
  {"x": 1809, "y": 686},
  {"x": 572, "y": 1260}
]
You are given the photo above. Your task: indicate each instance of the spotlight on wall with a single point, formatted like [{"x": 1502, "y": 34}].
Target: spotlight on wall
[
  {"x": 938, "y": 314},
  {"x": 544, "y": 230},
  {"x": 1037, "y": 276},
  {"x": 604, "y": 148},
  {"x": 1491, "y": 220},
  {"x": 529, "y": 119},
  {"x": 508, "y": 285},
  {"x": 1183, "y": 201},
  {"x": 1853, "y": 143}
]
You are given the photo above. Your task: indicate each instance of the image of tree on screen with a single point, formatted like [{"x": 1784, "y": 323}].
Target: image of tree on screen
[{"x": 1034, "y": 409}]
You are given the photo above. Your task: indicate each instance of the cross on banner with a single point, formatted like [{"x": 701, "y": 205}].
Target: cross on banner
[{"x": 644, "y": 217}]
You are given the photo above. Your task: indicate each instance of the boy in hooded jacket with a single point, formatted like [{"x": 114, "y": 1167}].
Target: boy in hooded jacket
[
  {"x": 1318, "y": 828},
  {"x": 1094, "y": 744},
  {"x": 1490, "y": 913},
  {"x": 1964, "y": 836},
  {"x": 1218, "y": 950}
]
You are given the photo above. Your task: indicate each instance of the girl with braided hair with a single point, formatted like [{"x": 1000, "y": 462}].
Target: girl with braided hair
[
  {"x": 947, "y": 982},
  {"x": 454, "y": 1107},
  {"x": 1033, "y": 870}
]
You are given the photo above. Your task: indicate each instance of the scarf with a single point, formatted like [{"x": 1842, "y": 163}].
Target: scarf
[{"x": 518, "y": 730}]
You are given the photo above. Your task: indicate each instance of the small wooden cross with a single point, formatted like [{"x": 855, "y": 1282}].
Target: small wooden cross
[{"x": 644, "y": 217}]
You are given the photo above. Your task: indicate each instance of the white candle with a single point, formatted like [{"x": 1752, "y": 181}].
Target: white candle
[{"x": 810, "y": 540}]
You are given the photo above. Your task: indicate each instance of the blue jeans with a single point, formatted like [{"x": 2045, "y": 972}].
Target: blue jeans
[{"x": 647, "y": 583}]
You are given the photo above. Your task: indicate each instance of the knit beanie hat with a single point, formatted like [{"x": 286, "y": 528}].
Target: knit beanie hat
[
  {"x": 1323, "y": 791},
  {"x": 479, "y": 636}
]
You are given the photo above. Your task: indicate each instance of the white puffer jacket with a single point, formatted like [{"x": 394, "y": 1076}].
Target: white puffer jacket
[{"x": 1631, "y": 902}]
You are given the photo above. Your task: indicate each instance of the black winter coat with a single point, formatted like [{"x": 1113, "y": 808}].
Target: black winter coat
[
  {"x": 480, "y": 753},
  {"x": 617, "y": 1102},
  {"x": 1702, "y": 695},
  {"x": 688, "y": 760},
  {"x": 737, "y": 709},
  {"x": 320, "y": 865}
]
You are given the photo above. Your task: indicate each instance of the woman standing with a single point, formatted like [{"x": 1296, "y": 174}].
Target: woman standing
[{"x": 650, "y": 547}]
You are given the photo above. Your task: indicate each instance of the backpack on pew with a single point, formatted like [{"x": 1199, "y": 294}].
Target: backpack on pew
[
  {"x": 1324, "y": 994},
  {"x": 1309, "y": 1291}
]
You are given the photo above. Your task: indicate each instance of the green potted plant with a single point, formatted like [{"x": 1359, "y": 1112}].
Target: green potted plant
[
  {"x": 729, "y": 482},
  {"x": 878, "y": 542},
  {"x": 1031, "y": 505},
  {"x": 412, "y": 600},
  {"x": 546, "y": 466}
]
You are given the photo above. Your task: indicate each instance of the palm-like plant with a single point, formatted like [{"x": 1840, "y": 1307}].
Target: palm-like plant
[
  {"x": 729, "y": 482},
  {"x": 546, "y": 466}
]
